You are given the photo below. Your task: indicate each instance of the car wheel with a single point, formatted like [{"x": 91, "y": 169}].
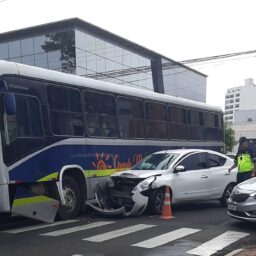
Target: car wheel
[
  {"x": 156, "y": 201},
  {"x": 73, "y": 199},
  {"x": 226, "y": 195}
]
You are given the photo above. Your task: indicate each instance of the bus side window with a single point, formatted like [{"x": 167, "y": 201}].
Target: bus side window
[
  {"x": 177, "y": 126},
  {"x": 100, "y": 112},
  {"x": 27, "y": 121},
  {"x": 66, "y": 116},
  {"x": 131, "y": 118},
  {"x": 156, "y": 121},
  {"x": 196, "y": 122}
]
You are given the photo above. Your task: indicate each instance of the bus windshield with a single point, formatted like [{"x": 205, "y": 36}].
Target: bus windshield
[{"x": 156, "y": 162}]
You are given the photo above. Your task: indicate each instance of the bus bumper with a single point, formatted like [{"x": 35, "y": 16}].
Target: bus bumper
[{"x": 4, "y": 198}]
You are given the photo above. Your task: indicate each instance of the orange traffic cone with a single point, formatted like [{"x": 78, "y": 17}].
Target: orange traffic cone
[{"x": 167, "y": 210}]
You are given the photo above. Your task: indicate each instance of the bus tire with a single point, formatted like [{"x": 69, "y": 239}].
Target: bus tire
[
  {"x": 5, "y": 216},
  {"x": 156, "y": 200},
  {"x": 73, "y": 199}
]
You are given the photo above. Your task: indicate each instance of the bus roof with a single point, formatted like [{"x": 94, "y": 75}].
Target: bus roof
[{"x": 11, "y": 68}]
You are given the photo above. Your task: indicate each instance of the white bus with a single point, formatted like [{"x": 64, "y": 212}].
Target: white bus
[{"x": 61, "y": 133}]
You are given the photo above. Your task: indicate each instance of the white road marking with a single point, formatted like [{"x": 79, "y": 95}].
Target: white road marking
[
  {"x": 166, "y": 238},
  {"x": 218, "y": 243},
  {"x": 35, "y": 227},
  {"x": 235, "y": 252},
  {"x": 78, "y": 228},
  {"x": 117, "y": 233}
]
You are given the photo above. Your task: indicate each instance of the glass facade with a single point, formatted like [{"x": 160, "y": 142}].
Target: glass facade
[
  {"x": 102, "y": 60},
  {"x": 84, "y": 53},
  {"x": 54, "y": 51},
  {"x": 182, "y": 82}
]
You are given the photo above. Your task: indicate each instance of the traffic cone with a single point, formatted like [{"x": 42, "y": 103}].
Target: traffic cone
[{"x": 167, "y": 210}]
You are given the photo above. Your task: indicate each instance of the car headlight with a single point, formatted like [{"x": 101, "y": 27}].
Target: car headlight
[{"x": 145, "y": 184}]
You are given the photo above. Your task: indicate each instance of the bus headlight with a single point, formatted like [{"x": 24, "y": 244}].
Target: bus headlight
[{"x": 144, "y": 185}]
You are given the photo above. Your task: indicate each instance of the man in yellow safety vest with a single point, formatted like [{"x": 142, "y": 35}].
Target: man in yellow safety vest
[{"x": 245, "y": 160}]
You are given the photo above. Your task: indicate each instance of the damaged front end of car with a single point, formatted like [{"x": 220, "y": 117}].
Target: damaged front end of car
[{"x": 124, "y": 194}]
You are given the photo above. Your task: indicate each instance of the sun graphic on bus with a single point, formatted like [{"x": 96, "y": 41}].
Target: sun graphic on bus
[{"x": 101, "y": 162}]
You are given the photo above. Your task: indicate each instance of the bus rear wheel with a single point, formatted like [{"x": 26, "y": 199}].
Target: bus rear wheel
[{"x": 72, "y": 197}]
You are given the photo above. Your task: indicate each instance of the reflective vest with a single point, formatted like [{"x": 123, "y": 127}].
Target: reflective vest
[{"x": 245, "y": 163}]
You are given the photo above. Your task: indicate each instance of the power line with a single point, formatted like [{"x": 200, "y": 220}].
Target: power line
[{"x": 223, "y": 56}]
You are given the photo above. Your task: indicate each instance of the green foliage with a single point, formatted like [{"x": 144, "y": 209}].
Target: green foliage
[{"x": 229, "y": 134}]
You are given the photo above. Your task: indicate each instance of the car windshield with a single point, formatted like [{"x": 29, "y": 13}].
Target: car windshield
[{"x": 156, "y": 162}]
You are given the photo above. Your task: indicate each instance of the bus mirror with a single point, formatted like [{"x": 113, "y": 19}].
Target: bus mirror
[{"x": 10, "y": 104}]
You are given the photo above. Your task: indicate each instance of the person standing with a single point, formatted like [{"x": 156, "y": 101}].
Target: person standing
[{"x": 245, "y": 161}]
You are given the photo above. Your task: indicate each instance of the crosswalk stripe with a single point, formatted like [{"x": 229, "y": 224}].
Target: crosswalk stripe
[
  {"x": 117, "y": 233},
  {"x": 78, "y": 228},
  {"x": 35, "y": 227},
  {"x": 218, "y": 243},
  {"x": 166, "y": 238}
]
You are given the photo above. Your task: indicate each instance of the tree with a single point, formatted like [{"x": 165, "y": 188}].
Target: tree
[{"x": 229, "y": 138}]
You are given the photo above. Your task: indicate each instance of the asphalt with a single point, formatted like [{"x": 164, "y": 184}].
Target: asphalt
[{"x": 209, "y": 217}]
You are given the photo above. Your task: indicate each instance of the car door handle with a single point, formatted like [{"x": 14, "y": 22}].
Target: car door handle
[{"x": 204, "y": 176}]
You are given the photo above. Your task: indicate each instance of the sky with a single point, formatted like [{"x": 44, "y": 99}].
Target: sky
[{"x": 178, "y": 29}]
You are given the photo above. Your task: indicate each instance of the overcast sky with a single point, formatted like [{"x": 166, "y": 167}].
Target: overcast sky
[{"x": 179, "y": 29}]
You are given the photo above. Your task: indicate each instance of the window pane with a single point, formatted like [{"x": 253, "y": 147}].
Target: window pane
[
  {"x": 63, "y": 123},
  {"x": 58, "y": 98},
  {"x": 14, "y": 49},
  {"x": 41, "y": 60},
  {"x": 195, "y": 162},
  {"x": 39, "y": 42},
  {"x": 177, "y": 131},
  {"x": 108, "y": 105},
  {"x": 92, "y": 102},
  {"x": 177, "y": 115},
  {"x": 22, "y": 116},
  {"x": 130, "y": 108},
  {"x": 157, "y": 130},
  {"x": 196, "y": 117},
  {"x": 3, "y": 51},
  {"x": 75, "y": 101},
  {"x": 101, "y": 126},
  {"x": 27, "y": 46},
  {"x": 28, "y": 60},
  {"x": 213, "y": 160},
  {"x": 35, "y": 117},
  {"x": 156, "y": 111}
]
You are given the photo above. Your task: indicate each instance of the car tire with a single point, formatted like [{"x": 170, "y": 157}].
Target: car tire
[
  {"x": 156, "y": 201},
  {"x": 226, "y": 195},
  {"x": 73, "y": 199}
]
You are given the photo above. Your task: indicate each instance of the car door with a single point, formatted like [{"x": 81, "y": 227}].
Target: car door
[
  {"x": 219, "y": 176},
  {"x": 193, "y": 183}
]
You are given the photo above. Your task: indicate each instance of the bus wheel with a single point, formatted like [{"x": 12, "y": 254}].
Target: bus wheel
[
  {"x": 73, "y": 199},
  {"x": 5, "y": 216}
]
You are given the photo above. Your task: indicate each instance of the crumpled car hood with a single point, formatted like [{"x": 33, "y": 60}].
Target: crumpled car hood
[{"x": 142, "y": 174}]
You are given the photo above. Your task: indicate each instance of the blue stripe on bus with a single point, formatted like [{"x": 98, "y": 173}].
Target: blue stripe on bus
[{"x": 87, "y": 156}]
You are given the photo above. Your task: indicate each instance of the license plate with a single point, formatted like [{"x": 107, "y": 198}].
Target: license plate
[{"x": 232, "y": 207}]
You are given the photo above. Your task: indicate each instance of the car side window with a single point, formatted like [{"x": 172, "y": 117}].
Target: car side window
[
  {"x": 215, "y": 160},
  {"x": 195, "y": 162}
]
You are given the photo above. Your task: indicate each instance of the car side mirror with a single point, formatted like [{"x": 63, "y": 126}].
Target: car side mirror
[{"x": 179, "y": 168}]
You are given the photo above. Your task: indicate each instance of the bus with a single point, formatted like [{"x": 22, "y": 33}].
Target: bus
[{"x": 61, "y": 133}]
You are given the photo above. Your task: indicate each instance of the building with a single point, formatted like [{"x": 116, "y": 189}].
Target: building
[
  {"x": 240, "y": 104},
  {"x": 77, "y": 47}
]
